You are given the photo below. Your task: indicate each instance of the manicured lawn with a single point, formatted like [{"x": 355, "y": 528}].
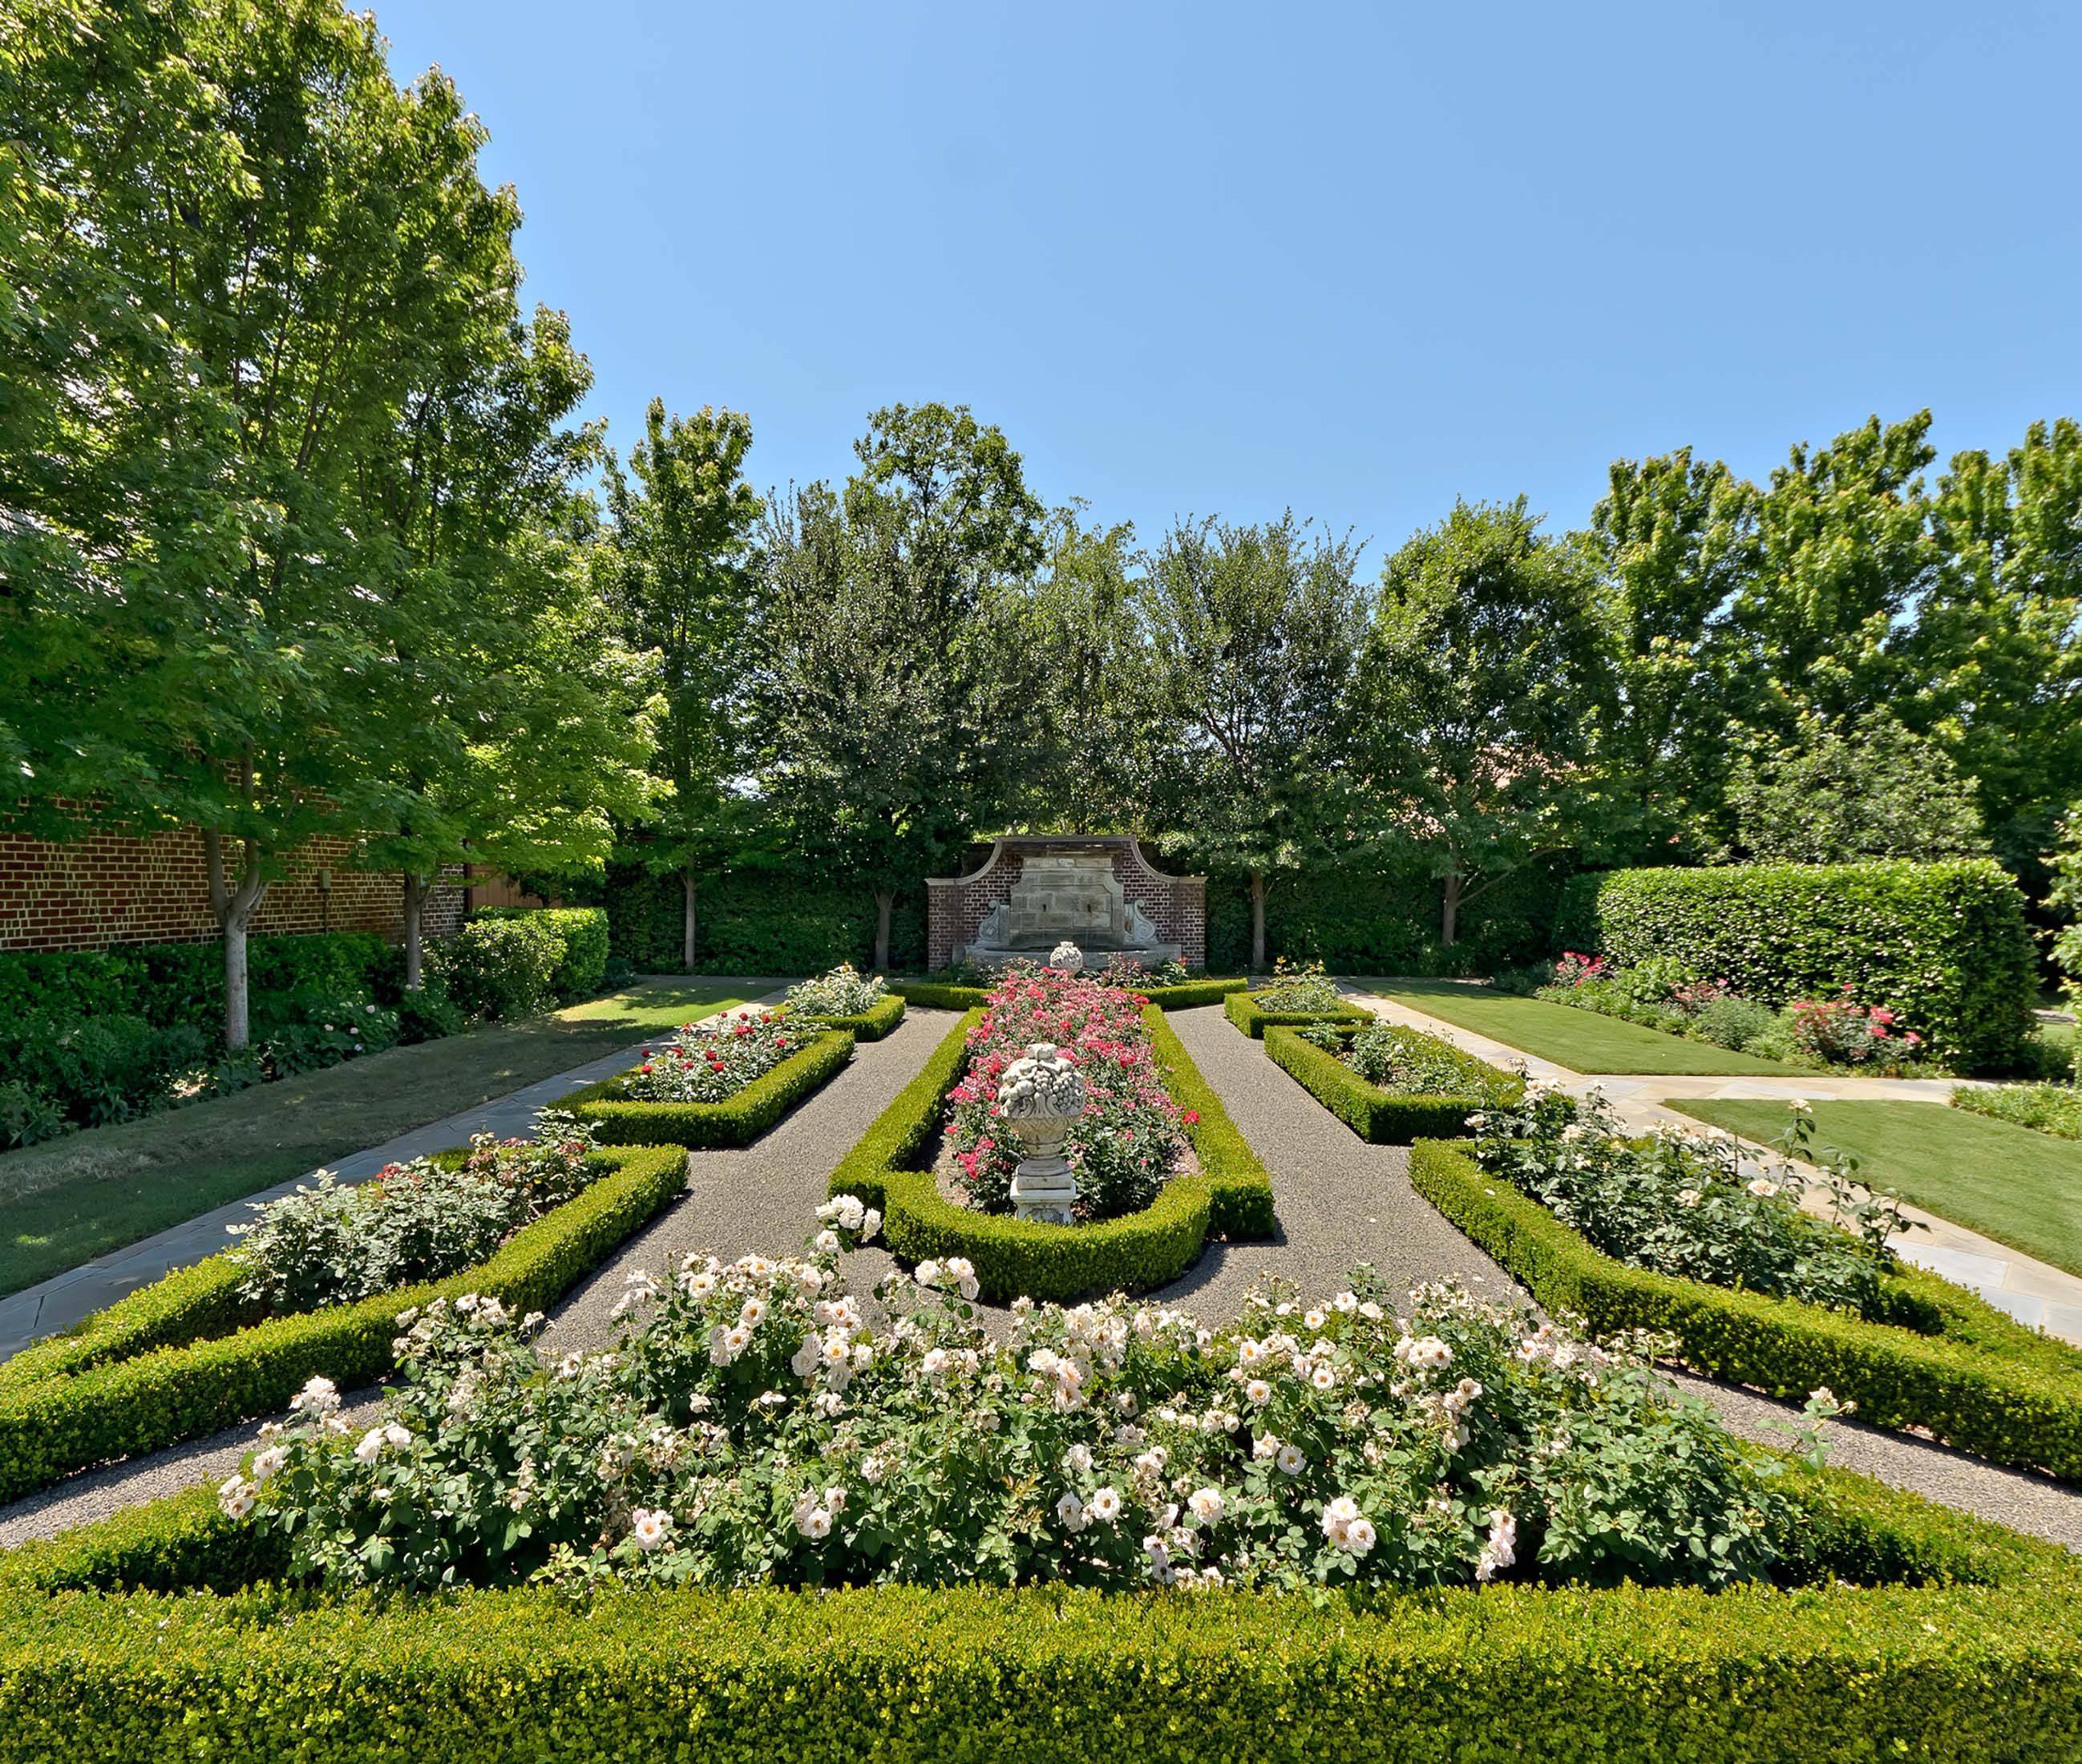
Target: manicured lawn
[
  {"x": 2021, "y": 1187},
  {"x": 70, "y": 1199},
  {"x": 1580, "y": 1039}
]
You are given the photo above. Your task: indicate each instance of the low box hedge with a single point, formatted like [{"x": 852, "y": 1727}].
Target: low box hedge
[
  {"x": 129, "y": 1380},
  {"x": 1382, "y": 1117},
  {"x": 1253, "y": 1019},
  {"x": 1230, "y": 1194},
  {"x": 946, "y": 995},
  {"x": 871, "y": 1025},
  {"x": 1951, "y": 1364},
  {"x": 1944, "y": 945},
  {"x": 737, "y": 1120},
  {"x": 1910, "y": 1632}
]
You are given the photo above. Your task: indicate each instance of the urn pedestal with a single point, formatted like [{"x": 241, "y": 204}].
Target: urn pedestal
[{"x": 1040, "y": 1095}]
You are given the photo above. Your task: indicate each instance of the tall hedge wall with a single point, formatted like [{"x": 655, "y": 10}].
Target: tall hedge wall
[
  {"x": 1943, "y": 945},
  {"x": 757, "y": 922},
  {"x": 1380, "y": 921}
]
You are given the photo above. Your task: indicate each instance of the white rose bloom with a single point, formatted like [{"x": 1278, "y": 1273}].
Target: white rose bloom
[
  {"x": 396, "y": 1436},
  {"x": 817, "y": 1525},
  {"x": 870, "y": 1222},
  {"x": 1080, "y": 1459},
  {"x": 1070, "y": 1511},
  {"x": 1265, "y": 1445},
  {"x": 1291, "y": 1459},
  {"x": 1104, "y": 1505},
  {"x": 1323, "y": 1377},
  {"x": 371, "y": 1445},
  {"x": 1315, "y": 1320},
  {"x": 1359, "y": 1536},
  {"x": 1762, "y": 1187},
  {"x": 827, "y": 1240},
  {"x": 648, "y": 1525},
  {"x": 1207, "y": 1505},
  {"x": 927, "y": 1274},
  {"x": 266, "y": 1463},
  {"x": 1258, "y": 1391}
]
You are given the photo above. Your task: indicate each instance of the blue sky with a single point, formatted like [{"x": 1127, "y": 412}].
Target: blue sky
[{"x": 1221, "y": 258}]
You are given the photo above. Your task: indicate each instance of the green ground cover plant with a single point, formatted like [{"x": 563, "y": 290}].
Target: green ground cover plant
[
  {"x": 2045, "y": 1108},
  {"x": 1432, "y": 1087},
  {"x": 1581, "y": 1041},
  {"x": 193, "y": 1352},
  {"x": 2019, "y": 1187},
  {"x": 1930, "y": 1355},
  {"x": 63, "y": 1203}
]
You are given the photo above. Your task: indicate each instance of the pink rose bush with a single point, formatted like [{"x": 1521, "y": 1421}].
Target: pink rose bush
[
  {"x": 708, "y": 1062},
  {"x": 1131, "y": 1135}
]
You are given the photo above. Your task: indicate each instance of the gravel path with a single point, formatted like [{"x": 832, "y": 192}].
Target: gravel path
[{"x": 1341, "y": 1202}]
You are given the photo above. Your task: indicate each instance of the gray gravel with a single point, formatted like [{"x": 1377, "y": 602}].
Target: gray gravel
[{"x": 1341, "y": 1202}]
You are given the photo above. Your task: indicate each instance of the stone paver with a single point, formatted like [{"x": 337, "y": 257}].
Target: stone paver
[
  {"x": 62, "y": 1301},
  {"x": 2035, "y": 1292}
]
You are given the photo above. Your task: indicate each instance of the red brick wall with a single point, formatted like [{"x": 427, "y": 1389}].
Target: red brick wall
[
  {"x": 1176, "y": 904},
  {"x": 110, "y": 888}
]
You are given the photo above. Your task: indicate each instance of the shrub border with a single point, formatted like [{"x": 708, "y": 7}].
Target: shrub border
[
  {"x": 871, "y": 1025},
  {"x": 1230, "y": 1194},
  {"x": 948, "y": 995},
  {"x": 1987, "y": 1385},
  {"x": 737, "y": 1120},
  {"x": 1968, "y": 1655},
  {"x": 1244, "y": 1012},
  {"x": 1383, "y": 1117},
  {"x": 64, "y": 1420}
]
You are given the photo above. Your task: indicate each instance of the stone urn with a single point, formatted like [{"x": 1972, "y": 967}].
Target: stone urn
[
  {"x": 1040, "y": 1095},
  {"x": 1066, "y": 958}
]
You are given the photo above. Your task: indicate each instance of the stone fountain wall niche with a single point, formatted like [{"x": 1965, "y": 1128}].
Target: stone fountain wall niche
[{"x": 1098, "y": 891}]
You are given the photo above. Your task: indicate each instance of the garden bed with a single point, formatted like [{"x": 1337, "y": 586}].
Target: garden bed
[
  {"x": 871, "y": 1025},
  {"x": 1952, "y": 1365},
  {"x": 950, "y": 995},
  {"x": 184, "y": 1356},
  {"x": 1244, "y": 1011},
  {"x": 1382, "y": 1117},
  {"x": 736, "y": 1119},
  {"x": 892, "y": 1169}
]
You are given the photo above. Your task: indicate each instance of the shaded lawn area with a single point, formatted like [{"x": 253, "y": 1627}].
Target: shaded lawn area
[
  {"x": 2021, "y": 1187},
  {"x": 1580, "y": 1039},
  {"x": 66, "y": 1201}
]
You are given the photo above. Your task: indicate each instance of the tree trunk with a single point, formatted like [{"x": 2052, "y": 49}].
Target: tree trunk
[
  {"x": 416, "y": 888},
  {"x": 1449, "y": 910},
  {"x": 1256, "y": 922},
  {"x": 234, "y": 907},
  {"x": 885, "y": 903},
  {"x": 687, "y": 919}
]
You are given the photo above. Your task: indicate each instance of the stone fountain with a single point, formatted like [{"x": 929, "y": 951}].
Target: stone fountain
[{"x": 1039, "y": 1095}]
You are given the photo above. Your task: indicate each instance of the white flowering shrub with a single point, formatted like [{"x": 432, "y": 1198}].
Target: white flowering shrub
[
  {"x": 711, "y": 1062},
  {"x": 420, "y": 1220},
  {"x": 1685, "y": 1204},
  {"x": 844, "y": 992},
  {"x": 754, "y": 1428}
]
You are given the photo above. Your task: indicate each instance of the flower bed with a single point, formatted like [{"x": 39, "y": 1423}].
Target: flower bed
[
  {"x": 2055, "y": 1109},
  {"x": 1918, "y": 1633},
  {"x": 1230, "y": 1194},
  {"x": 845, "y": 999},
  {"x": 952, "y": 995},
  {"x": 190, "y": 1354},
  {"x": 1921, "y": 1353},
  {"x": 714, "y": 1088},
  {"x": 1433, "y": 1086}
]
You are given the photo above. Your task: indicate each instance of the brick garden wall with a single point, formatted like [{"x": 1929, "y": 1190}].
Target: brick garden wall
[
  {"x": 1176, "y": 904},
  {"x": 110, "y": 888}
]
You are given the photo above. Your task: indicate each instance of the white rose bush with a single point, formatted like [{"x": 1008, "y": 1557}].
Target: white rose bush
[{"x": 759, "y": 1424}]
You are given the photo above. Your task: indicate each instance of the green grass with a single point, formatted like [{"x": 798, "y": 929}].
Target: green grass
[
  {"x": 2018, "y": 1187},
  {"x": 1580, "y": 1039},
  {"x": 72, "y": 1199}
]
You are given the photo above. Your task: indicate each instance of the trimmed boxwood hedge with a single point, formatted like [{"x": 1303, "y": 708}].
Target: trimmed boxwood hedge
[
  {"x": 737, "y": 1120},
  {"x": 1950, "y": 1363},
  {"x": 1382, "y": 1117},
  {"x": 871, "y": 1025},
  {"x": 946, "y": 995},
  {"x": 1247, "y": 1014},
  {"x": 147, "y": 1372},
  {"x": 1943, "y": 945},
  {"x": 1231, "y": 1193},
  {"x": 1965, "y": 1650}
]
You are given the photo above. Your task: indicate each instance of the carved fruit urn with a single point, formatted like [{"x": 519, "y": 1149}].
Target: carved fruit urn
[
  {"x": 1066, "y": 958},
  {"x": 1040, "y": 1095}
]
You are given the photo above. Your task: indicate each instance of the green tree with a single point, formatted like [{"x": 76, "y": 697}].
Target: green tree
[
  {"x": 2065, "y": 902},
  {"x": 1868, "y": 787},
  {"x": 1484, "y": 690},
  {"x": 896, "y": 699},
  {"x": 1248, "y": 635},
  {"x": 680, "y": 571}
]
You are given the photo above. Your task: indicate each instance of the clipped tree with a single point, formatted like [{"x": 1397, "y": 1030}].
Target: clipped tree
[
  {"x": 1485, "y": 687},
  {"x": 1248, "y": 635},
  {"x": 895, "y": 699},
  {"x": 678, "y": 571}
]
